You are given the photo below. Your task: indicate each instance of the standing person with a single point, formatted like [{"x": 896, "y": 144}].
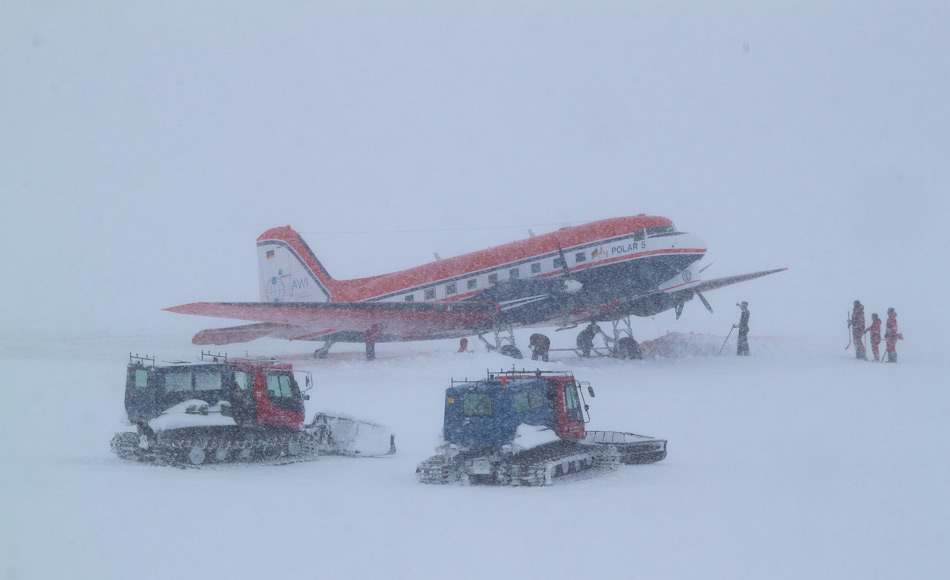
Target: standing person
[
  {"x": 463, "y": 345},
  {"x": 875, "y": 330},
  {"x": 857, "y": 330},
  {"x": 370, "y": 337},
  {"x": 585, "y": 339},
  {"x": 891, "y": 336},
  {"x": 742, "y": 348},
  {"x": 540, "y": 345}
]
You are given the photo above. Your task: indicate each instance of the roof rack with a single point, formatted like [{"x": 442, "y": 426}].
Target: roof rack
[
  {"x": 141, "y": 359},
  {"x": 525, "y": 372},
  {"x": 503, "y": 375},
  {"x": 215, "y": 356}
]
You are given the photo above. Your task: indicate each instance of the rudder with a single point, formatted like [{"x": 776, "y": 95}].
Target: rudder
[{"x": 288, "y": 269}]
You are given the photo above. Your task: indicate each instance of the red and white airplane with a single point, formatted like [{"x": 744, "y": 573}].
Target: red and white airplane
[{"x": 606, "y": 270}]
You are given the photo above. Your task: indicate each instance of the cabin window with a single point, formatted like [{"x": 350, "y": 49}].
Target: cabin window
[
  {"x": 493, "y": 278},
  {"x": 241, "y": 381},
  {"x": 410, "y": 297},
  {"x": 580, "y": 257},
  {"x": 476, "y": 405},
  {"x": 450, "y": 289},
  {"x": 207, "y": 380},
  {"x": 513, "y": 273},
  {"x": 536, "y": 268},
  {"x": 639, "y": 235},
  {"x": 430, "y": 294},
  {"x": 558, "y": 264},
  {"x": 141, "y": 378},
  {"x": 177, "y": 382},
  {"x": 473, "y": 284},
  {"x": 527, "y": 400}
]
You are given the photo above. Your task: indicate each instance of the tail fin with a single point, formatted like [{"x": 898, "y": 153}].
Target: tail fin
[{"x": 289, "y": 272}]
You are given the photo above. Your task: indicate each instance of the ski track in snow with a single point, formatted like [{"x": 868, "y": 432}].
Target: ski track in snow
[{"x": 798, "y": 462}]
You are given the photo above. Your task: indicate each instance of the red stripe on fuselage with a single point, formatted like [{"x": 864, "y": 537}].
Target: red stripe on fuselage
[{"x": 386, "y": 284}]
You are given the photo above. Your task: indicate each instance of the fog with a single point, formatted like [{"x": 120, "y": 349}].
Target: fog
[{"x": 145, "y": 146}]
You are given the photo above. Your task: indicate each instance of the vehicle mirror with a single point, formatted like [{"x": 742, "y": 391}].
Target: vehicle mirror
[
  {"x": 590, "y": 390},
  {"x": 306, "y": 397}
]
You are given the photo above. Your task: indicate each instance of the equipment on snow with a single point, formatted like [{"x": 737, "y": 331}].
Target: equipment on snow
[
  {"x": 727, "y": 339},
  {"x": 221, "y": 410},
  {"x": 526, "y": 428}
]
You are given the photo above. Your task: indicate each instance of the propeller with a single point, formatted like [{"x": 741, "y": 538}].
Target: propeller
[
  {"x": 679, "y": 307},
  {"x": 705, "y": 302},
  {"x": 571, "y": 286}
]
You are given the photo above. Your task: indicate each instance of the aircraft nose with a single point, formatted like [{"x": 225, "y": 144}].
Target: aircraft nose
[{"x": 686, "y": 241}]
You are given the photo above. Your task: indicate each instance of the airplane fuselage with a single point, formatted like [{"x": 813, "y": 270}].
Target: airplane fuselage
[
  {"x": 609, "y": 262},
  {"x": 604, "y": 270}
]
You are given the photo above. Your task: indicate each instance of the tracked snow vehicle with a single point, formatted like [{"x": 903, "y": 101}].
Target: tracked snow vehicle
[
  {"x": 222, "y": 410},
  {"x": 526, "y": 428}
]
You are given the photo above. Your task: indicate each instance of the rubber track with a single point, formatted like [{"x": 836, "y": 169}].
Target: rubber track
[
  {"x": 261, "y": 448},
  {"x": 536, "y": 467}
]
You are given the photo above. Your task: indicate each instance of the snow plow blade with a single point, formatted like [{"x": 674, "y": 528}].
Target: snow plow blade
[
  {"x": 347, "y": 436},
  {"x": 634, "y": 449}
]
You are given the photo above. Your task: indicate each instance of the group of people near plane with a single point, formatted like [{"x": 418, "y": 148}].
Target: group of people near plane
[
  {"x": 857, "y": 325},
  {"x": 541, "y": 344}
]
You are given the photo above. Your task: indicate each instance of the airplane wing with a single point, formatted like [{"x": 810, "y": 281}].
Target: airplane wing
[
  {"x": 314, "y": 320},
  {"x": 697, "y": 285},
  {"x": 674, "y": 293}
]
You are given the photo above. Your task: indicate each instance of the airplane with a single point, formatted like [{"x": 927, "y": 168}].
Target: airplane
[{"x": 606, "y": 270}]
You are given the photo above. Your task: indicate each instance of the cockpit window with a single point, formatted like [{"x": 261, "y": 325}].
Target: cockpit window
[{"x": 660, "y": 230}]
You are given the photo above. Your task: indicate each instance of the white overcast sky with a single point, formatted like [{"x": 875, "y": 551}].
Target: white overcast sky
[{"x": 145, "y": 145}]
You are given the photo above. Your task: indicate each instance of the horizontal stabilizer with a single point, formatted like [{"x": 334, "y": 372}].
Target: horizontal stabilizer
[{"x": 231, "y": 335}]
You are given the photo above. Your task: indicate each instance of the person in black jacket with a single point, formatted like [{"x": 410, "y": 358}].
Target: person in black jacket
[
  {"x": 585, "y": 339},
  {"x": 743, "y": 342}
]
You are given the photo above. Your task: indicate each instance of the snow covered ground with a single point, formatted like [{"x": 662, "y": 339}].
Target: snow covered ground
[
  {"x": 798, "y": 462},
  {"x": 145, "y": 145}
]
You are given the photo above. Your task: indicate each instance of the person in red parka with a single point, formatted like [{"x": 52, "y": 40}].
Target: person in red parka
[
  {"x": 370, "y": 337},
  {"x": 856, "y": 322},
  {"x": 891, "y": 336},
  {"x": 875, "y": 330}
]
